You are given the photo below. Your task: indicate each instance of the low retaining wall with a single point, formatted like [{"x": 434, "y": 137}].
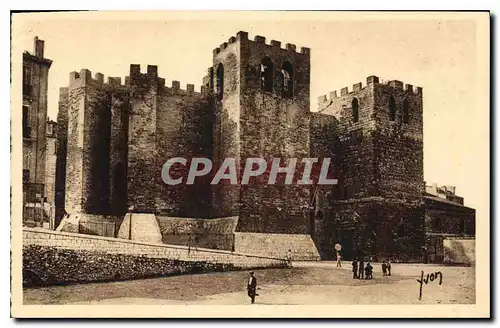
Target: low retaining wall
[
  {"x": 216, "y": 233},
  {"x": 459, "y": 250},
  {"x": 51, "y": 257},
  {"x": 90, "y": 224},
  {"x": 277, "y": 245}
]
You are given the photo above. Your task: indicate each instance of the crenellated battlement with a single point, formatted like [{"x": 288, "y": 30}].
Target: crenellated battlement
[
  {"x": 243, "y": 36},
  {"x": 84, "y": 77},
  {"x": 175, "y": 89},
  {"x": 151, "y": 73},
  {"x": 371, "y": 80}
]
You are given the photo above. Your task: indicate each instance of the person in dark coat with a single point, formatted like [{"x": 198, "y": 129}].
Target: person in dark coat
[
  {"x": 384, "y": 268},
  {"x": 361, "y": 269},
  {"x": 252, "y": 287},
  {"x": 368, "y": 271},
  {"x": 355, "y": 269}
]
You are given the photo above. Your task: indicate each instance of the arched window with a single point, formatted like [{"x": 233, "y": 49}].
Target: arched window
[
  {"x": 392, "y": 108},
  {"x": 287, "y": 72},
  {"x": 406, "y": 111},
  {"x": 220, "y": 81},
  {"x": 355, "y": 110},
  {"x": 266, "y": 74}
]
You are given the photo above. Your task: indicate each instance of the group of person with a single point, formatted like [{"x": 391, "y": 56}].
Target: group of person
[{"x": 362, "y": 271}]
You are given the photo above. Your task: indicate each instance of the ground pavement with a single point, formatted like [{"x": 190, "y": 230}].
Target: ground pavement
[{"x": 313, "y": 283}]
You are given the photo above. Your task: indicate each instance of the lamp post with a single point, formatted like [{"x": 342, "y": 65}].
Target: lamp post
[{"x": 130, "y": 209}]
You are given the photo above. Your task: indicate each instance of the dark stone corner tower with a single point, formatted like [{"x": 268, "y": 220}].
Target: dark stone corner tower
[
  {"x": 377, "y": 207},
  {"x": 257, "y": 116},
  {"x": 261, "y": 109}
]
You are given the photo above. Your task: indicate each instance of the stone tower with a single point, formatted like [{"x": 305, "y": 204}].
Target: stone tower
[
  {"x": 377, "y": 206},
  {"x": 261, "y": 102}
]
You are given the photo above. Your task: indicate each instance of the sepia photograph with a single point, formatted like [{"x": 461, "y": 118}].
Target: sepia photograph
[{"x": 290, "y": 164}]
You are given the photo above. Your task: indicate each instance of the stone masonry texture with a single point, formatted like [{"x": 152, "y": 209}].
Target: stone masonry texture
[
  {"x": 57, "y": 258},
  {"x": 115, "y": 136}
]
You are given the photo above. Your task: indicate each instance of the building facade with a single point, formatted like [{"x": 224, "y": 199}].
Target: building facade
[
  {"x": 34, "y": 122},
  {"x": 114, "y": 138}
]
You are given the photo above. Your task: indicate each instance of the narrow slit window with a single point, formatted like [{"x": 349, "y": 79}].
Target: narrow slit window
[
  {"x": 392, "y": 109},
  {"x": 26, "y": 80},
  {"x": 220, "y": 81},
  {"x": 287, "y": 72},
  {"x": 406, "y": 112},
  {"x": 26, "y": 127},
  {"x": 266, "y": 74},
  {"x": 355, "y": 110}
]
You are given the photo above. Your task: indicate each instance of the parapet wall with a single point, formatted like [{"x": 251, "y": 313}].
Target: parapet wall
[
  {"x": 243, "y": 36},
  {"x": 217, "y": 233},
  {"x": 151, "y": 76},
  {"x": 51, "y": 257},
  {"x": 301, "y": 246},
  {"x": 370, "y": 81},
  {"x": 84, "y": 77}
]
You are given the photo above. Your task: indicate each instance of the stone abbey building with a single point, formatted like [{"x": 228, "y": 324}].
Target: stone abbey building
[{"x": 114, "y": 137}]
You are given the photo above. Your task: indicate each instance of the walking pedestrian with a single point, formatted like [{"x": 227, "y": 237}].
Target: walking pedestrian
[
  {"x": 355, "y": 268},
  {"x": 361, "y": 269},
  {"x": 384, "y": 268},
  {"x": 388, "y": 264},
  {"x": 339, "y": 260},
  {"x": 252, "y": 287}
]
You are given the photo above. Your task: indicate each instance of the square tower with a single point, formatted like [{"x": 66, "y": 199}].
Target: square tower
[
  {"x": 377, "y": 207},
  {"x": 380, "y": 128},
  {"x": 261, "y": 109}
]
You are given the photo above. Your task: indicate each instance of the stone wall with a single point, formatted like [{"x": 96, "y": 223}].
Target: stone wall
[
  {"x": 459, "y": 250},
  {"x": 444, "y": 219},
  {"x": 372, "y": 227},
  {"x": 355, "y": 149},
  {"x": 251, "y": 121},
  {"x": 377, "y": 207},
  {"x": 184, "y": 129},
  {"x": 87, "y": 160},
  {"x": 51, "y": 257},
  {"x": 226, "y": 87},
  {"x": 62, "y": 143},
  {"x": 274, "y": 124},
  {"x": 141, "y": 227},
  {"x": 443, "y": 216},
  {"x": 50, "y": 169},
  {"x": 118, "y": 147},
  {"x": 90, "y": 224},
  {"x": 380, "y": 155},
  {"x": 141, "y": 162},
  {"x": 277, "y": 245},
  {"x": 399, "y": 144},
  {"x": 215, "y": 233}
]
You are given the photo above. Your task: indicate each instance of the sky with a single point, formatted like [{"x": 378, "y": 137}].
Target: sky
[{"x": 443, "y": 54}]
